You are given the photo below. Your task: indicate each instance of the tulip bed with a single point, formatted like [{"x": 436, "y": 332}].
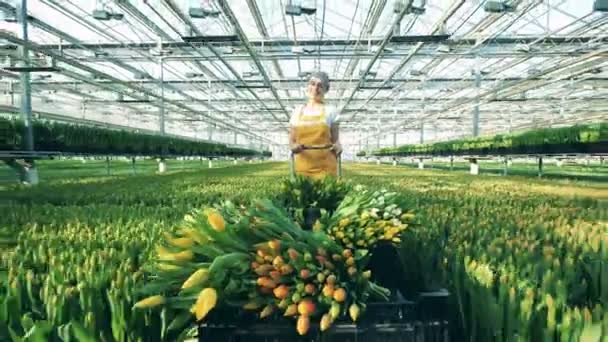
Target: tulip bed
[{"x": 524, "y": 259}]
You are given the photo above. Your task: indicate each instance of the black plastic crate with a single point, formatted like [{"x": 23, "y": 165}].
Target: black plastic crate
[
  {"x": 340, "y": 332},
  {"x": 403, "y": 321}
]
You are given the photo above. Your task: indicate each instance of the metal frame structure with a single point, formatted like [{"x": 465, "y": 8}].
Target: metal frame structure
[{"x": 403, "y": 71}]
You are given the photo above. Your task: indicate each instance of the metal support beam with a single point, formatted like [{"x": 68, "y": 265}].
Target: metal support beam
[
  {"x": 239, "y": 31},
  {"x": 74, "y": 41},
  {"x": 422, "y": 132},
  {"x": 210, "y": 132},
  {"x": 138, "y": 90},
  {"x": 162, "y": 95},
  {"x": 30, "y": 174},
  {"x": 259, "y": 23},
  {"x": 370, "y": 64},
  {"x": 477, "y": 102},
  {"x": 331, "y": 43}
]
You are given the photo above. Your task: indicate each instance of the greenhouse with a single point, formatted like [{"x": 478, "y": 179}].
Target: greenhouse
[{"x": 304, "y": 170}]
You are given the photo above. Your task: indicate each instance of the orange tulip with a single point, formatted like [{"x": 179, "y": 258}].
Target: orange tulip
[
  {"x": 303, "y": 325},
  {"x": 340, "y": 295}
]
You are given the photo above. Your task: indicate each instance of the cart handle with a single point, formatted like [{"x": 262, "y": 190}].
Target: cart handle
[
  {"x": 317, "y": 147},
  {"x": 314, "y": 147}
]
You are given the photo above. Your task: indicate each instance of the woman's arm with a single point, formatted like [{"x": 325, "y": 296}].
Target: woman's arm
[{"x": 293, "y": 145}]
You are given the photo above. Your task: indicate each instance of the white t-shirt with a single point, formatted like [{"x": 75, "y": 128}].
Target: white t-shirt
[{"x": 331, "y": 115}]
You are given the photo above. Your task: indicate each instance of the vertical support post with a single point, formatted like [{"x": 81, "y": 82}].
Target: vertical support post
[
  {"x": 162, "y": 166},
  {"x": 476, "y": 107},
  {"x": 540, "y": 166},
  {"x": 505, "y": 168},
  {"x": 30, "y": 173},
  {"x": 422, "y": 132},
  {"x": 602, "y": 161},
  {"x": 451, "y": 163},
  {"x": 162, "y": 95},
  {"x": 133, "y": 165},
  {"x": 474, "y": 166},
  {"x": 108, "y": 172},
  {"x": 210, "y": 132}
]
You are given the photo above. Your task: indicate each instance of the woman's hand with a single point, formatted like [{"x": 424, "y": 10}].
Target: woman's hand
[
  {"x": 336, "y": 148},
  {"x": 296, "y": 148}
]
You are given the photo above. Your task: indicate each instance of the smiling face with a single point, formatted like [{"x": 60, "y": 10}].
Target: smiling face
[{"x": 315, "y": 90}]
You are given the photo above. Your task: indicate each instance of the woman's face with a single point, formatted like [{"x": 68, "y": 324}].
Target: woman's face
[{"x": 315, "y": 90}]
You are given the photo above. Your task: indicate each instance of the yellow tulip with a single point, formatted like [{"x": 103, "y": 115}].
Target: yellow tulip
[
  {"x": 182, "y": 242},
  {"x": 354, "y": 311},
  {"x": 253, "y": 305},
  {"x": 194, "y": 234},
  {"x": 150, "y": 302},
  {"x": 325, "y": 322},
  {"x": 268, "y": 309},
  {"x": 216, "y": 221},
  {"x": 197, "y": 278},
  {"x": 207, "y": 299}
]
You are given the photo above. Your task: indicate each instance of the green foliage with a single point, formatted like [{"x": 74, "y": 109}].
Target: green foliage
[
  {"x": 579, "y": 138},
  {"x": 54, "y": 136}
]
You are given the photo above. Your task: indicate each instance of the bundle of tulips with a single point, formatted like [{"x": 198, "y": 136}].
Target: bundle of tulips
[
  {"x": 257, "y": 259},
  {"x": 366, "y": 217}
]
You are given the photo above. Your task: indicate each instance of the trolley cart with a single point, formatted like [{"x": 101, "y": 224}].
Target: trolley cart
[{"x": 292, "y": 169}]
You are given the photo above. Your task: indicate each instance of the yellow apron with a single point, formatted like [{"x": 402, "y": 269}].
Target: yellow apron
[{"x": 315, "y": 132}]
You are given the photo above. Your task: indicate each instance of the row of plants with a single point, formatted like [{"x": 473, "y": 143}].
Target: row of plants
[
  {"x": 60, "y": 264},
  {"x": 72, "y": 138},
  {"x": 522, "y": 259},
  {"x": 72, "y": 254},
  {"x": 590, "y": 138}
]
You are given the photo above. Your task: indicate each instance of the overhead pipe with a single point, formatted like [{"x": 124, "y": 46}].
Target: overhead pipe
[
  {"x": 385, "y": 40},
  {"x": 139, "y": 15},
  {"x": 536, "y": 41},
  {"x": 457, "y": 106},
  {"x": 34, "y": 47},
  {"x": 438, "y": 26},
  {"x": 74, "y": 40},
  {"x": 259, "y": 23},
  {"x": 368, "y": 27},
  {"x": 169, "y": 4},
  {"x": 243, "y": 37},
  {"x": 186, "y": 20}
]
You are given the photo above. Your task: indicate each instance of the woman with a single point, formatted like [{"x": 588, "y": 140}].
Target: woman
[{"x": 315, "y": 124}]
